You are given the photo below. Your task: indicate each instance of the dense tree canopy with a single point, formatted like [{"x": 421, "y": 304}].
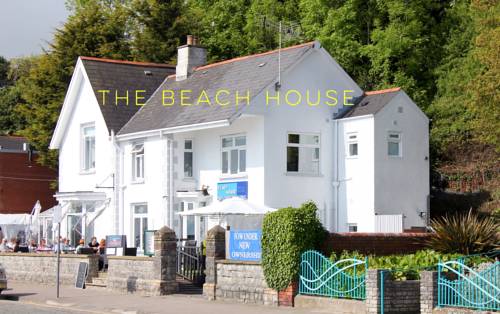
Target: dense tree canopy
[{"x": 443, "y": 53}]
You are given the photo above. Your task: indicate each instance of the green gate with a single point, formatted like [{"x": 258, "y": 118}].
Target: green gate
[{"x": 342, "y": 279}]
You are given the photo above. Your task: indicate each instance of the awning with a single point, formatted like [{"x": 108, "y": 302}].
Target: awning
[{"x": 229, "y": 206}]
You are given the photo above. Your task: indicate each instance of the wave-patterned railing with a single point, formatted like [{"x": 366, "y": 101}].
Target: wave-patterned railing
[
  {"x": 469, "y": 288},
  {"x": 342, "y": 279}
]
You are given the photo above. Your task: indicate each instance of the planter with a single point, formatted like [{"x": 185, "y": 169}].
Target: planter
[{"x": 286, "y": 297}]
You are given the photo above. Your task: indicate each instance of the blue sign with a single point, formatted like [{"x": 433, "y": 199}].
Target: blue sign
[
  {"x": 245, "y": 245},
  {"x": 232, "y": 189}
]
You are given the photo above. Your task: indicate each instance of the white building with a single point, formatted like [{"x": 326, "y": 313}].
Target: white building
[{"x": 251, "y": 130}]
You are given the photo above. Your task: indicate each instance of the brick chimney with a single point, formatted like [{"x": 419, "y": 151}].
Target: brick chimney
[{"x": 189, "y": 56}]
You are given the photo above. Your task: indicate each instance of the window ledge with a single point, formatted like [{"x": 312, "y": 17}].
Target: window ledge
[
  {"x": 137, "y": 182},
  {"x": 243, "y": 175},
  {"x": 189, "y": 179},
  {"x": 87, "y": 172},
  {"x": 302, "y": 174}
]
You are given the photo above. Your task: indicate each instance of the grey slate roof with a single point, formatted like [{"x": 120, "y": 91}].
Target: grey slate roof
[
  {"x": 370, "y": 103},
  {"x": 252, "y": 73},
  {"x": 120, "y": 76},
  {"x": 12, "y": 143}
]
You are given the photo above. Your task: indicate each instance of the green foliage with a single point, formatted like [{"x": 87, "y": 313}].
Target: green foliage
[
  {"x": 408, "y": 266},
  {"x": 466, "y": 233},
  {"x": 157, "y": 26},
  {"x": 286, "y": 234}
]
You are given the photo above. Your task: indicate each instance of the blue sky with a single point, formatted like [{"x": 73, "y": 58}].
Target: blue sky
[{"x": 27, "y": 25}]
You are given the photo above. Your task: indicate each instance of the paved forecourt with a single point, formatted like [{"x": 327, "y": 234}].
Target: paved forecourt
[{"x": 99, "y": 300}]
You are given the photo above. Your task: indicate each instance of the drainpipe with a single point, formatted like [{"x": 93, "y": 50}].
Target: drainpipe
[
  {"x": 171, "y": 181},
  {"x": 336, "y": 182},
  {"x": 117, "y": 186}
]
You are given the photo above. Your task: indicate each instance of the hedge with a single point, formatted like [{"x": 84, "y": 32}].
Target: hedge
[{"x": 286, "y": 234}]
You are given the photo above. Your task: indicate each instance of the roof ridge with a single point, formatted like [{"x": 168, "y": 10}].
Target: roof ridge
[
  {"x": 138, "y": 63},
  {"x": 311, "y": 43},
  {"x": 383, "y": 91}
]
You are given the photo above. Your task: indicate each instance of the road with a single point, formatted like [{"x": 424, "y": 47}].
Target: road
[{"x": 13, "y": 307}]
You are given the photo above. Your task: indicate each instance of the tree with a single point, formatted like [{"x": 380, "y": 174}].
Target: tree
[
  {"x": 157, "y": 27},
  {"x": 10, "y": 95},
  {"x": 97, "y": 28}
]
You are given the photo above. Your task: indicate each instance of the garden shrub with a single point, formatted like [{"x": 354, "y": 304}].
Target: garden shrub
[
  {"x": 466, "y": 233},
  {"x": 408, "y": 266},
  {"x": 286, "y": 234}
]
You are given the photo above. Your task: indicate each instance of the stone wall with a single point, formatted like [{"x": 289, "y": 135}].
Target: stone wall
[
  {"x": 42, "y": 268},
  {"x": 133, "y": 274},
  {"x": 375, "y": 243},
  {"x": 147, "y": 275},
  {"x": 244, "y": 282},
  {"x": 399, "y": 296}
]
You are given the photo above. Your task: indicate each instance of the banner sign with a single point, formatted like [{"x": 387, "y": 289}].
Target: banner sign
[
  {"x": 245, "y": 245},
  {"x": 232, "y": 189}
]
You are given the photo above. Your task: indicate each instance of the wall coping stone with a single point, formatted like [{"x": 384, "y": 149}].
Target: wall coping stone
[
  {"x": 230, "y": 261},
  {"x": 47, "y": 255},
  {"x": 132, "y": 258}
]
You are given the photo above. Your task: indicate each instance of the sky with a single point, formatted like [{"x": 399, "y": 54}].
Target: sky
[{"x": 27, "y": 25}]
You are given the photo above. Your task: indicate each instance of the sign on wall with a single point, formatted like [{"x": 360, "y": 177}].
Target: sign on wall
[
  {"x": 232, "y": 189},
  {"x": 245, "y": 245},
  {"x": 149, "y": 244}
]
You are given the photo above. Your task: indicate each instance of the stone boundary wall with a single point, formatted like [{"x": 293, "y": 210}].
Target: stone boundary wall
[
  {"x": 375, "y": 243},
  {"x": 147, "y": 275},
  {"x": 133, "y": 274},
  {"x": 41, "y": 268},
  {"x": 243, "y": 282},
  {"x": 399, "y": 296}
]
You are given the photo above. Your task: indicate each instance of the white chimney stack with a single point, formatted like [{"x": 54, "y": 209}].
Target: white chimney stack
[{"x": 189, "y": 57}]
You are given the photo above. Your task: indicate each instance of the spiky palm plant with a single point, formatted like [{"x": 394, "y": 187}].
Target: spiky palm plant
[{"x": 465, "y": 233}]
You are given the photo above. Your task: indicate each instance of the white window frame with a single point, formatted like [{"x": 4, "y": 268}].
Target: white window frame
[
  {"x": 141, "y": 216},
  {"x": 299, "y": 145},
  {"x": 352, "y": 138},
  {"x": 137, "y": 155},
  {"x": 188, "y": 150},
  {"x": 85, "y": 166},
  {"x": 228, "y": 150},
  {"x": 398, "y": 140}
]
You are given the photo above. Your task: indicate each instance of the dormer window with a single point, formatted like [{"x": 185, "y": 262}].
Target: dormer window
[{"x": 88, "y": 148}]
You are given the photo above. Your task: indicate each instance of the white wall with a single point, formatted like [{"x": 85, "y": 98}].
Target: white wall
[
  {"x": 316, "y": 71},
  {"x": 402, "y": 183},
  {"x": 71, "y": 178},
  {"x": 356, "y": 175},
  {"x": 148, "y": 191}
]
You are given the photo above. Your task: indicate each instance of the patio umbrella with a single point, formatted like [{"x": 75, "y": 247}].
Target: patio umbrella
[{"x": 229, "y": 206}]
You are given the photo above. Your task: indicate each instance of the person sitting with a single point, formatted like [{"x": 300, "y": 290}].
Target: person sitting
[
  {"x": 12, "y": 243},
  {"x": 32, "y": 247},
  {"x": 4, "y": 247},
  {"x": 94, "y": 244},
  {"x": 80, "y": 246},
  {"x": 17, "y": 246}
]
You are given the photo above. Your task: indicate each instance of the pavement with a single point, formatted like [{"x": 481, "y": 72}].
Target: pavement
[{"x": 34, "y": 298}]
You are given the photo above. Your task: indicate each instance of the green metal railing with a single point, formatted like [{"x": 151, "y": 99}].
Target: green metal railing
[
  {"x": 461, "y": 286},
  {"x": 342, "y": 279}
]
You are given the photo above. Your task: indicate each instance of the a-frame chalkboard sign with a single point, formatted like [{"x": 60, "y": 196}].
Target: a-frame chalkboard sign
[{"x": 81, "y": 276}]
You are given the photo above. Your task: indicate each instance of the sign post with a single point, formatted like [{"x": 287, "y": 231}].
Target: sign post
[{"x": 58, "y": 255}]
